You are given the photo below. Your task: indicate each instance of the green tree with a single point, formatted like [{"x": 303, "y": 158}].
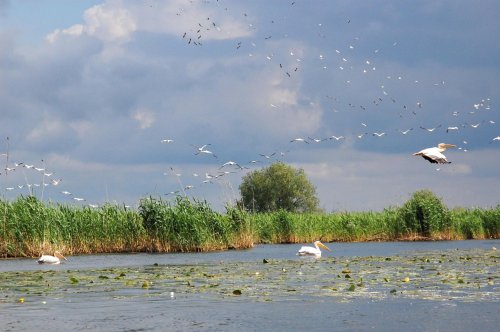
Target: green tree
[
  {"x": 278, "y": 187},
  {"x": 425, "y": 213}
]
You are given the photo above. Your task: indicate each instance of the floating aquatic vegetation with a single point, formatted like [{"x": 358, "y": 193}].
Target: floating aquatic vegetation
[{"x": 458, "y": 275}]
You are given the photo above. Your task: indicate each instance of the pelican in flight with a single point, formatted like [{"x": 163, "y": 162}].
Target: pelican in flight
[
  {"x": 435, "y": 155},
  {"x": 48, "y": 259},
  {"x": 310, "y": 251}
]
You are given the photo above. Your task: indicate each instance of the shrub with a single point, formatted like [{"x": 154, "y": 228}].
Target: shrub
[{"x": 424, "y": 214}]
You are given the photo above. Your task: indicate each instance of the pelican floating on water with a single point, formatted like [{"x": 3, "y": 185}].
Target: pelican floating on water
[
  {"x": 435, "y": 155},
  {"x": 48, "y": 259},
  {"x": 310, "y": 251}
]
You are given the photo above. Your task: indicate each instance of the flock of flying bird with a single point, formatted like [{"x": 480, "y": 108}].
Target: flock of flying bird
[{"x": 289, "y": 63}]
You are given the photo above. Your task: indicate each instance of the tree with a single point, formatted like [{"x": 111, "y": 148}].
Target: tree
[
  {"x": 276, "y": 187},
  {"x": 425, "y": 213}
]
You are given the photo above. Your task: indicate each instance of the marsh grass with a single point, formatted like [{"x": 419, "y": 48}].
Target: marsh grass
[{"x": 30, "y": 227}]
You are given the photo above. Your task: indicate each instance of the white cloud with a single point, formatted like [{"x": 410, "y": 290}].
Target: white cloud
[
  {"x": 144, "y": 117},
  {"x": 113, "y": 85},
  {"x": 107, "y": 22},
  {"x": 46, "y": 129}
]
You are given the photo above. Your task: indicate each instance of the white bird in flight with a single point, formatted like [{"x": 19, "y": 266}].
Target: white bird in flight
[
  {"x": 299, "y": 140},
  {"x": 231, "y": 163},
  {"x": 435, "y": 155},
  {"x": 48, "y": 259},
  {"x": 430, "y": 129},
  {"x": 336, "y": 137},
  {"x": 495, "y": 139},
  {"x": 404, "y": 132},
  {"x": 312, "y": 251},
  {"x": 203, "y": 150}
]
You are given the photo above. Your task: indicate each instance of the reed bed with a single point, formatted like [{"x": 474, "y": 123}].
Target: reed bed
[{"x": 29, "y": 227}]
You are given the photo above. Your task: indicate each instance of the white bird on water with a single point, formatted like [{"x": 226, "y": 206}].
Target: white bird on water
[
  {"x": 312, "y": 251},
  {"x": 435, "y": 155},
  {"x": 48, "y": 259}
]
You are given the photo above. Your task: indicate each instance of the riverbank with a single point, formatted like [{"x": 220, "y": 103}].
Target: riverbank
[{"x": 29, "y": 227}]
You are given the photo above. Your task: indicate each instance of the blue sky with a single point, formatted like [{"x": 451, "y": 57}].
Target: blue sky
[{"x": 89, "y": 89}]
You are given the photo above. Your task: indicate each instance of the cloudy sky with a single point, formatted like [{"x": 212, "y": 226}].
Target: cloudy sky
[{"x": 89, "y": 89}]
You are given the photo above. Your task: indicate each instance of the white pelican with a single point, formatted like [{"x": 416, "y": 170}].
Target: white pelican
[
  {"x": 435, "y": 155},
  {"x": 48, "y": 259},
  {"x": 310, "y": 251}
]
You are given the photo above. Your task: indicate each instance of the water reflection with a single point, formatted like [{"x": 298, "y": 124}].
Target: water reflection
[{"x": 259, "y": 252}]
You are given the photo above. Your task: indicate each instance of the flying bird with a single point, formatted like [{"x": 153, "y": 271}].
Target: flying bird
[
  {"x": 430, "y": 129},
  {"x": 337, "y": 137},
  {"x": 231, "y": 163},
  {"x": 495, "y": 139},
  {"x": 267, "y": 156},
  {"x": 299, "y": 140},
  {"x": 404, "y": 132},
  {"x": 451, "y": 128},
  {"x": 378, "y": 134},
  {"x": 317, "y": 140},
  {"x": 203, "y": 150},
  {"x": 312, "y": 251},
  {"x": 435, "y": 155},
  {"x": 48, "y": 259}
]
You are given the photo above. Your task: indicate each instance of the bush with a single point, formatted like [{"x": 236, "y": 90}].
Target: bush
[{"x": 424, "y": 214}]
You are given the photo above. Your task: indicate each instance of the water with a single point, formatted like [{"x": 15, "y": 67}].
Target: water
[
  {"x": 259, "y": 252},
  {"x": 453, "y": 286}
]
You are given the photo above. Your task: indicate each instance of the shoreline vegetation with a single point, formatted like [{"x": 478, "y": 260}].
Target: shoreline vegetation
[{"x": 30, "y": 227}]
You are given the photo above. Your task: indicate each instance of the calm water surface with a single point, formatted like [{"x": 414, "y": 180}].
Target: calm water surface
[{"x": 194, "y": 291}]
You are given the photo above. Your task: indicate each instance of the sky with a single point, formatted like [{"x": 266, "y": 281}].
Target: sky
[{"x": 117, "y": 100}]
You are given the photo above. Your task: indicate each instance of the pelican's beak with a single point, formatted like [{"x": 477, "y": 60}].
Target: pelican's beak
[
  {"x": 60, "y": 256},
  {"x": 450, "y": 145},
  {"x": 323, "y": 246}
]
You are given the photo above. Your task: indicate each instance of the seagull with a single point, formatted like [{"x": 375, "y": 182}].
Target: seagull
[
  {"x": 378, "y": 134},
  {"x": 404, "y": 132},
  {"x": 167, "y": 141},
  {"x": 451, "y": 128},
  {"x": 312, "y": 251},
  {"x": 317, "y": 140},
  {"x": 230, "y": 163},
  {"x": 430, "y": 129},
  {"x": 267, "y": 156},
  {"x": 48, "y": 259},
  {"x": 299, "y": 140},
  {"x": 435, "y": 155},
  {"x": 337, "y": 137},
  {"x": 56, "y": 182},
  {"x": 202, "y": 150},
  {"x": 360, "y": 136},
  {"x": 495, "y": 139}
]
